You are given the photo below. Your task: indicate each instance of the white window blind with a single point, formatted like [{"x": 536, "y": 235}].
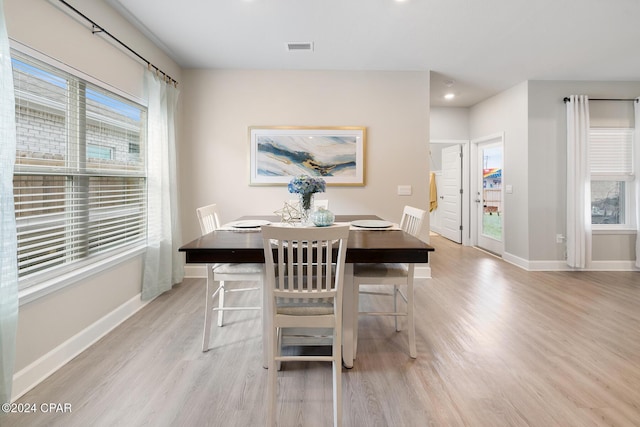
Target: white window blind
[
  {"x": 611, "y": 151},
  {"x": 612, "y": 173},
  {"x": 80, "y": 191}
]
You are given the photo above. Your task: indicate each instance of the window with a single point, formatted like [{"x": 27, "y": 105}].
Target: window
[
  {"x": 612, "y": 175},
  {"x": 99, "y": 152},
  {"x": 80, "y": 194}
]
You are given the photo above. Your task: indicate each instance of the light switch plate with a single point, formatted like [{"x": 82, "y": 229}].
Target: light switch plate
[
  {"x": 404, "y": 190},
  {"x": 508, "y": 188}
]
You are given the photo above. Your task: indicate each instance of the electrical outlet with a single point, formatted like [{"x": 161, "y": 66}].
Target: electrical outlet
[{"x": 559, "y": 238}]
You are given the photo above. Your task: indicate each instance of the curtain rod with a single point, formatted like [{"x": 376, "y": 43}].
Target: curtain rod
[
  {"x": 98, "y": 29},
  {"x": 566, "y": 99}
]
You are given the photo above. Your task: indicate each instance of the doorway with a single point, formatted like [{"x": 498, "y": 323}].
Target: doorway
[
  {"x": 489, "y": 194},
  {"x": 449, "y": 167}
]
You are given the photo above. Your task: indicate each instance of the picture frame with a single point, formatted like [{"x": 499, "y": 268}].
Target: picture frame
[{"x": 336, "y": 154}]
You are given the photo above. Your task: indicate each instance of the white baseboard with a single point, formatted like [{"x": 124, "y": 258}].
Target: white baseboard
[
  {"x": 434, "y": 228},
  {"x": 613, "y": 266},
  {"x": 195, "y": 271},
  {"x": 422, "y": 271},
  {"x": 560, "y": 265},
  {"x": 33, "y": 374},
  {"x": 525, "y": 264},
  {"x": 517, "y": 261}
]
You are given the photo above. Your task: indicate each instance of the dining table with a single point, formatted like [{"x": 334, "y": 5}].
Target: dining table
[{"x": 366, "y": 244}]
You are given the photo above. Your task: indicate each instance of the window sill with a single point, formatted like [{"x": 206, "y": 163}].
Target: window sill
[{"x": 46, "y": 287}]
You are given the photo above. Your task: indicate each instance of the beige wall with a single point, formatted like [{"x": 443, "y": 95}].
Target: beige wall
[
  {"x": 221, "y": 105},
  {"x": 51, "y": 320}
]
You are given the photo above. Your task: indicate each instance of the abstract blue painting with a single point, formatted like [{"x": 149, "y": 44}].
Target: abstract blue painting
[{"x": 335, "y": 154}]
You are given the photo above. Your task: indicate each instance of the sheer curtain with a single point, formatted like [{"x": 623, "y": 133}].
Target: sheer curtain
[
  {"x": 163, "y": 265},
  {"x": 636, "y": 107},
  {"x": 578, "y": 182},
  {"x": 8, "y": 247}
]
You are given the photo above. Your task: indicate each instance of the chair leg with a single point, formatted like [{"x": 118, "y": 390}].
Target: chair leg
[
  {"x": 272, "y": 378},
  {"x": 221, "y": 304},
  {"x": 337, "y": 379},
  {"x": 207, "y": 310},
  {"x": 279, "y": 347},
  {"x": 412, "y": 326},
  {"x": 395, "y": 306},
  {"x": 356, "y": 309}
]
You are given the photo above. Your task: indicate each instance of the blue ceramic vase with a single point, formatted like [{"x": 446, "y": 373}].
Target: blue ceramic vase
[{"x": 322, "y": 217}]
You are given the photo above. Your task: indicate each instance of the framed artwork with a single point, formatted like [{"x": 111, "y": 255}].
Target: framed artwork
[{"x": 279, "y": 153}]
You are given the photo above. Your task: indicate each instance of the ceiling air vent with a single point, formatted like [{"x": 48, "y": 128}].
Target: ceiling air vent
[{"x": 299, "y": 46}]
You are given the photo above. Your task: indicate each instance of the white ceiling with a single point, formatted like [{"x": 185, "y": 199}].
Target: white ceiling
[{"x": 484, "y": 46}]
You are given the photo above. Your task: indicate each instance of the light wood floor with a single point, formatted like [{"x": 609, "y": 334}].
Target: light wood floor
[{"x": 497, "y": 346}]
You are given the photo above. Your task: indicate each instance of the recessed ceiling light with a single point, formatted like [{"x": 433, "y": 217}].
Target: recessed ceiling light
[{"x": 450, "y": 96}]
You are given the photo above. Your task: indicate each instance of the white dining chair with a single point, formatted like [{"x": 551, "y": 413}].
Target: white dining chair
[
  {"x": 219, "y": 276},
  {"x": 304, "y": 278},
  {"x": 391, "y": 275}
]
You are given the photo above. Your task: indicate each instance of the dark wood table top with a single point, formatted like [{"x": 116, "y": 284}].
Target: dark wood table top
[{"x": 364, "y": 246}]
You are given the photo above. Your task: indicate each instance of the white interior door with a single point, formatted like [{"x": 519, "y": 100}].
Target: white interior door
[
  {"x": 450, "y": 199},
  {"x": 489, "y": 196}
]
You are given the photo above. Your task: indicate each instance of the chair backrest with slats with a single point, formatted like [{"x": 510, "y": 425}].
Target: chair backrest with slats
[
  {"x": 412, "y": 220},
  {"x": 208, "y": 218},
  {"x": 305, "y": 263}
]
